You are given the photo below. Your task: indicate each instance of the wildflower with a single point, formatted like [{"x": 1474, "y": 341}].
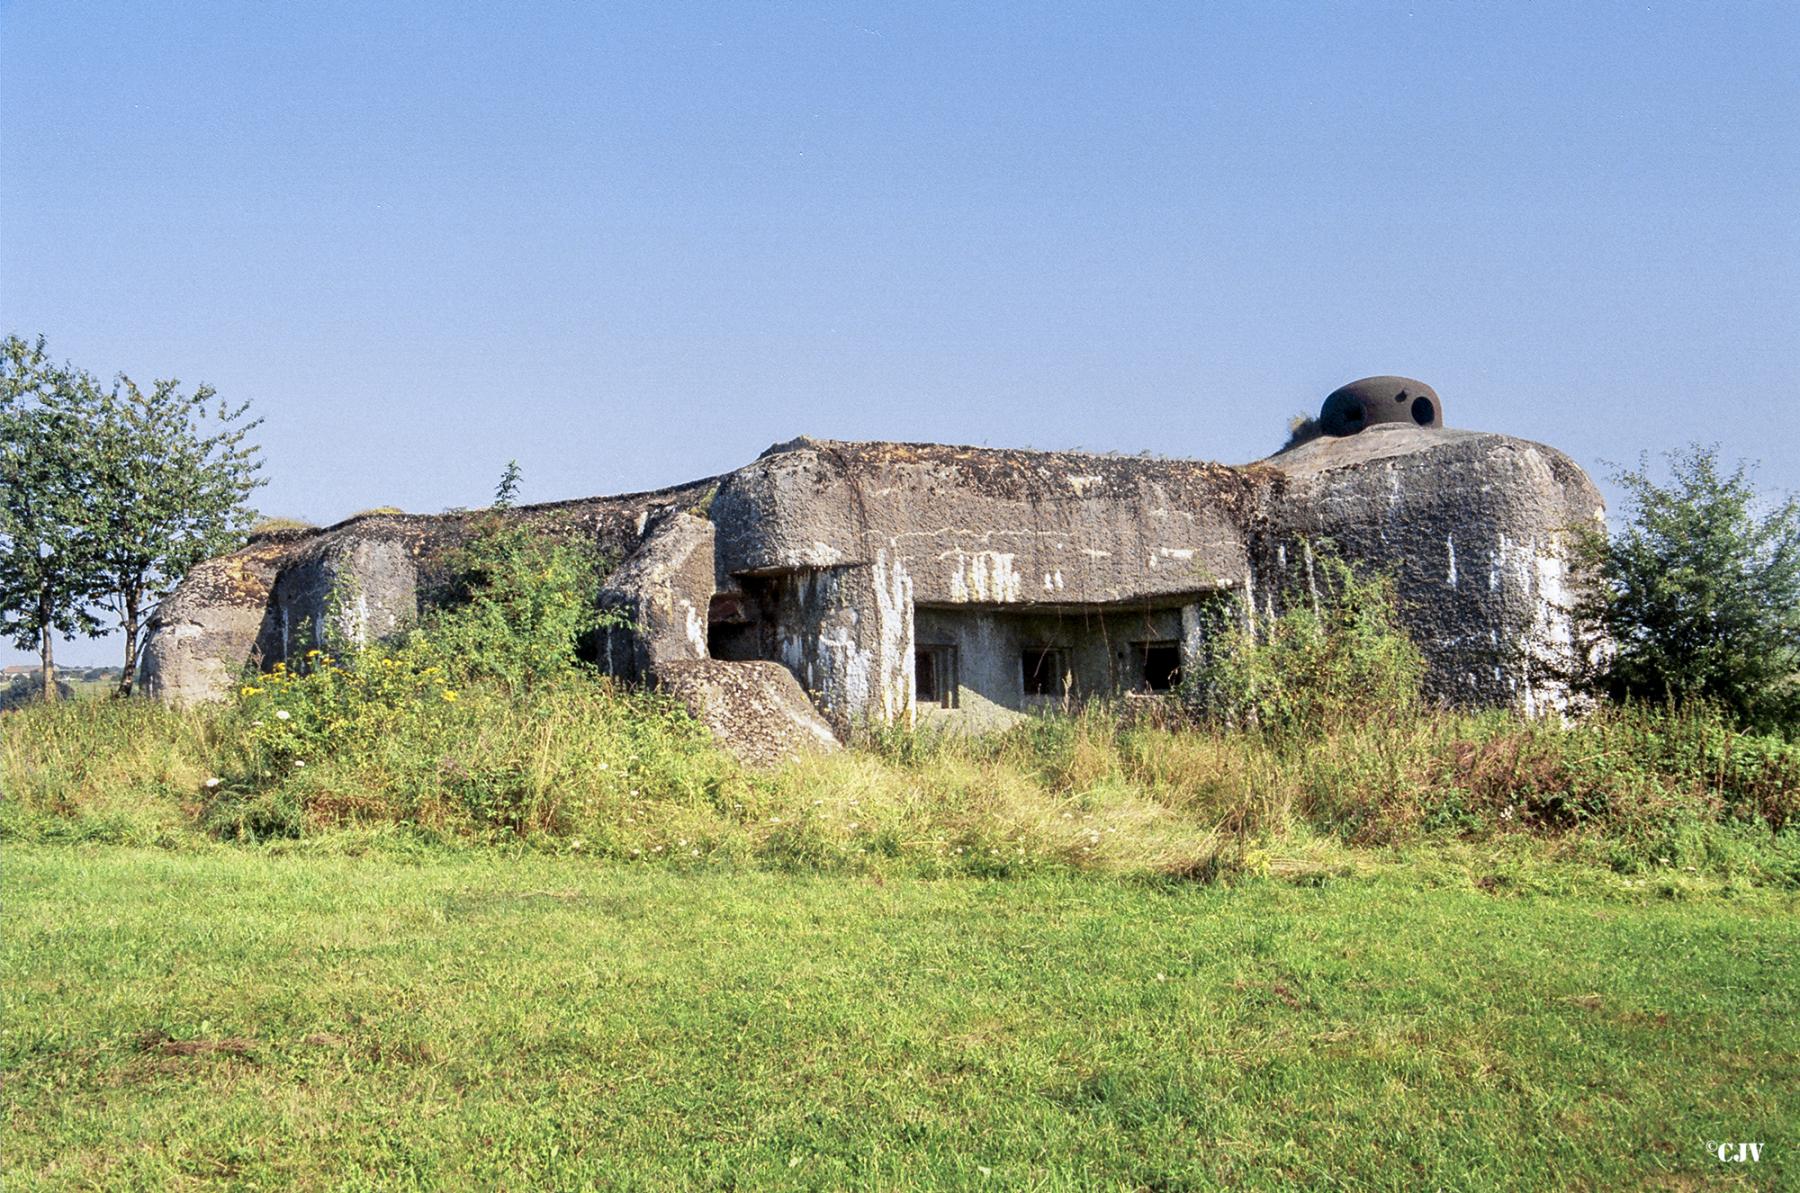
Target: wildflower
[
  {"x": 636, "y": 852},
  {"x": 281, "y": 714},
  {"x": 313, "y": 654},
  {"x": 212, "y": 782},
  {"x": 696, "y": 853},
  {"x": 449, "y": 696},
  {"x": 603, "y": 766},
  {"x": 774, "y": 820},
  {"x": 852, "y": 825},
  {"x": 1506, "y": 813},
  {"x": 300, "y": 763},
  {"x": 256, "y": 724},
  {"x": 658, "y": 849},
  {"x": 575, "y": 844},
  {"x": 249, "y": 690}
]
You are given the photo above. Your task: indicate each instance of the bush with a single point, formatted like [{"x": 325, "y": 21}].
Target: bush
[
  {"x": 1698, "y": 594},
  {"x": 1336, "y": 656},
  {"x": 514, "y": 606}
]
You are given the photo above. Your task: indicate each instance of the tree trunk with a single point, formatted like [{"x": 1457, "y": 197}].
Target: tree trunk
[
  {"x": 128, "y": 673},
  {"x": 47, "y": 657}
]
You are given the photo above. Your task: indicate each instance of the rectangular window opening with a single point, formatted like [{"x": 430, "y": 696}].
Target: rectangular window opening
[
  {"x": 934, "y": 676},
  {"x": 1043, "y": 670},
  {"x": 1160, "y": 664}
]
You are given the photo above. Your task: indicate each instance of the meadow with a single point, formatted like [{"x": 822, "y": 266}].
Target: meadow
[{"x": 1464, "y": 1018}]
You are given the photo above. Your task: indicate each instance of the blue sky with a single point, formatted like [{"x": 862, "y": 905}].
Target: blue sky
[{"x": 630, "y": 245}]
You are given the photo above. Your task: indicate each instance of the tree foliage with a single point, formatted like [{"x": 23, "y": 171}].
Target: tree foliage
[
  {"x": 1699, "y": 592},
  {"x": 48, "y": 541},
  {"x": 172, "y": 478},
  {"x": 111, "y": 496}
]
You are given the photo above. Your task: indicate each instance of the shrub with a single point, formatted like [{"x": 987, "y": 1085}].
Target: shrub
[
  {"x": 1336, "y": 656},
  {"x": 514, "y": 606},
  {"x": 1698, "y": 594}
]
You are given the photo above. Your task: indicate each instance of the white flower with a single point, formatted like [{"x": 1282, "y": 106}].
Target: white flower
[
  {"x": 256, "y": 724},
  {"x": 851, "y": 826},
  {"x": 212, "y": 782},
  {"x": 281, "y": 714},
  {"x": 603, "y": 766},
  {"x": 774, "y": 820},
  {"x": 299, "y": 762},
  {"x": 696, "y": 853},
  {"x": 575, "y": 844}
]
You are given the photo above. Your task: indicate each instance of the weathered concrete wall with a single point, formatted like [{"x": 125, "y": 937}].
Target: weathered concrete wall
[
  {"x": 665, "y": 589},
  {"x": 258, "y": 605},
  {"x": 991, "y": 527},
  {"x": 1473, "y": 527},
  {"x": 207, "y": 631},
  {"x": 348, "y": 588},
  {"x": 847, "y": 635}
]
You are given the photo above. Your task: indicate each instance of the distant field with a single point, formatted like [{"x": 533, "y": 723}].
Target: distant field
[{"x": 230, "y": 1017}]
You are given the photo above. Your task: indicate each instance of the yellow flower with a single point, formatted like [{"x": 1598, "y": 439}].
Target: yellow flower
[
  {"x": 248, "y": 690},
  {"x": 449, "y": 695},
  {"x": 313, "y": 654}
]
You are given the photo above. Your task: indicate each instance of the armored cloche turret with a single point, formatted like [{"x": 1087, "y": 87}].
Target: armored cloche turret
[{"x": 1376, "y": 400}]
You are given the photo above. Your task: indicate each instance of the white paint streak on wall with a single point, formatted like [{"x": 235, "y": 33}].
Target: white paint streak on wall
[
  {"x": 1450, "y": 546},
  {"x": 695, "y": 629},
  {"x": 1312, "y": 579},
  {"x": 894, "y": 660},
  {"x": 985, "y": 576}
]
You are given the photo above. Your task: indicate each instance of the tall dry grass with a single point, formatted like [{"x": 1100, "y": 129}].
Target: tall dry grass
[{"x": 586, "y": 767}]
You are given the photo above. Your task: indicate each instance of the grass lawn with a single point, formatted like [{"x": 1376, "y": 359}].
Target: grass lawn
[{"x": 233, "y": 1017}]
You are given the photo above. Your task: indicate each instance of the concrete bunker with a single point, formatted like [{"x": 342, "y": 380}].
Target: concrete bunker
[{"x": 908, "y": 582}]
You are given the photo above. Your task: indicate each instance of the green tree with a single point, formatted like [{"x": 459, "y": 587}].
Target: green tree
[
  {"x": 172, "y": 474},
  {"x": 1699, "y": 591},
  {"x": 48, "y": 545}
]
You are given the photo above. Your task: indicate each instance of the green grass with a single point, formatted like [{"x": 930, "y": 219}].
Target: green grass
[{"x": 1469, "y": 1018}]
